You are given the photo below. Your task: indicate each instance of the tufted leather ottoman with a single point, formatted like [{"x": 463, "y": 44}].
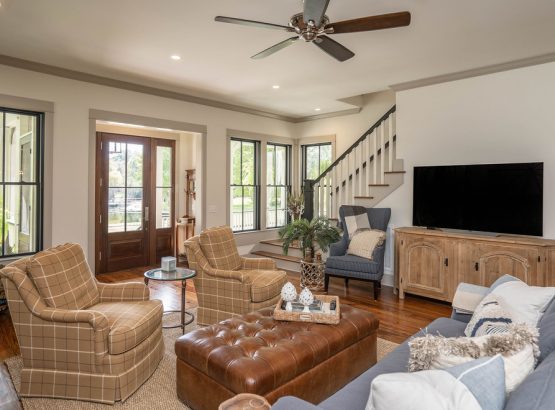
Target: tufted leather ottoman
[{"x": 257, "y": 354}]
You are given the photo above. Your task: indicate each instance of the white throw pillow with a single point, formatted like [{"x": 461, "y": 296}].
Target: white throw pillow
[
  {"x": 525, "y": 303},
  {"x": 364, "y": 242},
  {"x": 491, "y": 316},
  {"x": 472, "y": 386}
]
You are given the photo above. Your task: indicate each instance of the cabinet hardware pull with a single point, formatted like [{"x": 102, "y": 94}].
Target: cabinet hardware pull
[
  {"x": 446, "y": 262},
  {"x": 476, "y": 266}
]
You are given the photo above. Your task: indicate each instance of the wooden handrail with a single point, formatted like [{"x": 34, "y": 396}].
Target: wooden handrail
[{"x": 357, "y": 142}]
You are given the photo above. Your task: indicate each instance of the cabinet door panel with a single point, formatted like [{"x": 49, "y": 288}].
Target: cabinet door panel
[
  {"x": 424, "y": 267},
  {"x": 482, "y": 264}
]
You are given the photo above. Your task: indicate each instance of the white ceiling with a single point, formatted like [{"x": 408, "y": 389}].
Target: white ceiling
[{"x": 133, "y": 39}]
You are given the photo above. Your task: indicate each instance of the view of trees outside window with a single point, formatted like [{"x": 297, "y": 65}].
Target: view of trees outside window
[
  {"x": 20, "y": 182},
  {"x": 163, "y": 187},
  {"x": 244, "y": 184},
  {"x": 278, "y": 184},
  {"x": 125, "y": 187},
  {"x": 316, "y": 159}
]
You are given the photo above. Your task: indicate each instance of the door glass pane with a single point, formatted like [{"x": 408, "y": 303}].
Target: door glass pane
[
  {"x": 312, "y": 162},
  {"x": 270, "y": 166},
  {"x": 20, "y": 160},
  {"x": 325, "y": 158},
  {"x": 248, "y": 163},
  {"x": 281, "y": 165},
  {"x": 163, "y": 208},
  {"x": 116, "y": 161},
  {"x": 135, "y": 165},
  {"x": 235, "y": 170},
  {"x": 236, "y": 202},
  {"x": 163, "y": 167},
  {"x": 116, "y": 210},
  {"x": 134, "y": 209}
]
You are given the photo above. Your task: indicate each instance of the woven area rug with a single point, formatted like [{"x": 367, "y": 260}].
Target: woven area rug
[{"x": 158, "y": 393}]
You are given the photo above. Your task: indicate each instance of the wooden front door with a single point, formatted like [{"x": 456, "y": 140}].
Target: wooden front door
[{"x": 134, "y": 201}]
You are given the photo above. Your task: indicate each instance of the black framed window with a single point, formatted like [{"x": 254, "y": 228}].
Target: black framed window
[
  {"x": 278, "y": 181},
  {"x": 244, "y": 202},
  {"x": 21, "y": 175},
  {"x": 316, "y": 158}
]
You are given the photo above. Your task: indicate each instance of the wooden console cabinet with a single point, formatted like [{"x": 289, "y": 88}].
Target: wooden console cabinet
[{"x": 432, "y": 263}]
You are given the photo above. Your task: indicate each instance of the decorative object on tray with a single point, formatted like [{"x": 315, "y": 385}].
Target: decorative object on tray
[
  {"x": 168, "y": 263},
  {"x": 306, "y": 298},
  {"x": 323, "y": 309},
  {"x": 289, "y": 294}
]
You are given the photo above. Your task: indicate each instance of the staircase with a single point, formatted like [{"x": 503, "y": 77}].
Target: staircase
[{"x": 363, "y": 175}]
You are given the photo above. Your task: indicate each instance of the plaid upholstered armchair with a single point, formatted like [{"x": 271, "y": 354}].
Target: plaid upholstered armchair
[
  {"x": 80, "y": 339},
  {"x": 227, "y": 284}
]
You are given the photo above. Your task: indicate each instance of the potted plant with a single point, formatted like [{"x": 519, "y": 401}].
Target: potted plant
[{"x": 309, "y": 234}]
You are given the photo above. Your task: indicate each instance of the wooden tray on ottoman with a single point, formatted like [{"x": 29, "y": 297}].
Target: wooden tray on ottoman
[{"x": 312, "y": 317}]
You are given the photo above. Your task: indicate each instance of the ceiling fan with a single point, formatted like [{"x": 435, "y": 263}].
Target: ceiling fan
[{"x": 312, "y": 26}]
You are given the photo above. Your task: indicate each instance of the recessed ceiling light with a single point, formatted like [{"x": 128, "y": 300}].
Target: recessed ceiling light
[
  {"x": 275, "y": 87},
  {"x": 175, "y": 57},
  {"x": 317, "y": 109}
]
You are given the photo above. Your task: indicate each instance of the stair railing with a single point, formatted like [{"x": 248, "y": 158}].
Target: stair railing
[{"x": 351, "y": 175}]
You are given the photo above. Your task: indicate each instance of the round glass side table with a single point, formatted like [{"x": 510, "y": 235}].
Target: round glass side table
[{"x": 179, "y": 274}]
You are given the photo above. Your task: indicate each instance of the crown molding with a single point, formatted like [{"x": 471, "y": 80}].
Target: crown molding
[
  {"x": 475, "y": 72},
  {"x": 159, "y": 92}
]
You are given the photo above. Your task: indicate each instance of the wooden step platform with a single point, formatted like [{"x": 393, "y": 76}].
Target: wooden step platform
[
  {"x": 273, "y": 255},
  {"x": 277, "y": 242}
]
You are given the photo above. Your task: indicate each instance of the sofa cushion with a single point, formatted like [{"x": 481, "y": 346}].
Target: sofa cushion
[
  {"x": 63, "y": 278},
  {"x": 476, "y": 385},
  {"x": 536, "y": 392},
  {"x": 546, "y": 327},
  {"x": 355, "y": 395},
  {"x": 352, "y": 263},
  {"x": 266, "y": 284},
  {"x": 130, "y": 322},
  {"x": 219, "y": 248}
]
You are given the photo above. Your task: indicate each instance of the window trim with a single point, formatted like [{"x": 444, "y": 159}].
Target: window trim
[
  {"x": 288, "y": 186},
  {"x": 303, "y": 156},
  {"x": 256, "y": 185},
  {"x": 39, "y": 181}
]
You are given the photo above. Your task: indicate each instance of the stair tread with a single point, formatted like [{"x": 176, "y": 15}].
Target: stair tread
[
  {"x": 364, "y": 197},
  {"x": 395, "y": 172},
  {"x": 378, "y": 184},
  {"x": 277, "y": 242},
  {"x": 277, "y": 256}
]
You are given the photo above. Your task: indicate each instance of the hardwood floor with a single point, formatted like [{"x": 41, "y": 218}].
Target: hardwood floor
[{"x": 399, "y": 319}]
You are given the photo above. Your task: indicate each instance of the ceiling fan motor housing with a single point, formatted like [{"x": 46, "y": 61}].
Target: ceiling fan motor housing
[{"x": 309, "y": 31}]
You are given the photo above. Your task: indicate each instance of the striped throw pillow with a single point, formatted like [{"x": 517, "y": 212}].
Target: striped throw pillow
[{"x": 490, "y": 317}]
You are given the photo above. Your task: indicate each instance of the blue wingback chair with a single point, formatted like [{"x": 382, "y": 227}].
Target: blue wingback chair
[{"x": 340, "y": 264}]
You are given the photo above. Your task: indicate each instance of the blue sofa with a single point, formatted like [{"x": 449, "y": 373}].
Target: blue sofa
[{"x": 537, "y": 392}]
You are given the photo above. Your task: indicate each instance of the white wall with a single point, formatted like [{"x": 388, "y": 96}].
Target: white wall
[
  {"x": 497, "y": 118},
  {"x": 72, "y": 102}
]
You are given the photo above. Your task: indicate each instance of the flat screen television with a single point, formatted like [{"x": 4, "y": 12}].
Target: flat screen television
[{"x": 501, "y": 198}]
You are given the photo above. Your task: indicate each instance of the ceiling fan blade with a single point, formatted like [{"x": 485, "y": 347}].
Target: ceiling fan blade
[
  {"x": 315, "y": 10},
  {"x": 333, "y": 48},
  {"x": 275, "y": 48},
  {"x": 252, "y": 23},
  {"x": 380, "y": 22}
]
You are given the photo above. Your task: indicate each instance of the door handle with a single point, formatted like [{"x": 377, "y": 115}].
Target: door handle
[{"x": 146, "y": 213}]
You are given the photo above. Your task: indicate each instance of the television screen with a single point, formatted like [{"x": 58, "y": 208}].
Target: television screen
[{"x": 503, "y": 198}]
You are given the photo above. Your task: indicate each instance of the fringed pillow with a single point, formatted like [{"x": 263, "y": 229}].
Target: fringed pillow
[{"x": 518, "y": 347}]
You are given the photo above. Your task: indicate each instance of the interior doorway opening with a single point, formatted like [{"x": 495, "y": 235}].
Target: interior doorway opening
[{"x": 147, "y": 199}]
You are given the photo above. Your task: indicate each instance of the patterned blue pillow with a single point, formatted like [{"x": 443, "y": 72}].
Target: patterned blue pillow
[{"x": 490, "y": 317}]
